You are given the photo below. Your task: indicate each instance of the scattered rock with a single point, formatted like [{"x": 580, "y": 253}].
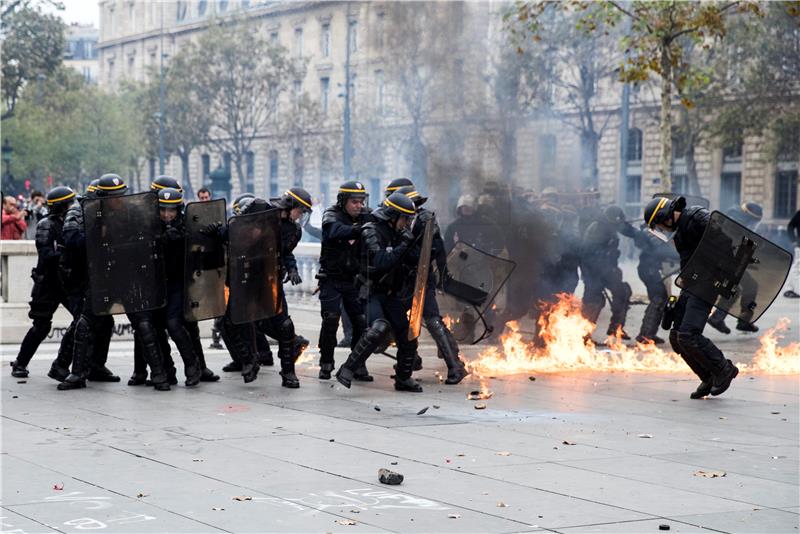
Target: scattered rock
[
  {"x": 480, "y": 406},
  {"x": 501, "y": 504},
  {"x": 331, "y": 440},
  {"x": 346, "y": 522},
  {"x": 774, "y": 413},
  {"x": 532, "y": 378},
  {"x": 565, "y": 442},
  {"x": 453, "y": 516},
  {"x": 390, "y": 478},
  {"x": 142, "y": 495},
  {"x": 479, "y": 395},
  {"x": 435, "y": 406},
  {"x": 197, "y": 459},
  {"x": 393, "y": 463},
  {"x": 422, "y": 411},
  {"x": 710, "y": 474},
  {"x": 22, "y": 381},
  {"x": 503, "y": 453},
  {"x": 14, "y": 397},
  {"x": 377, "y": 408},
  {"x": 58, "y": 487},
  {"x": 242, "y": 498},
  {"x": 217, "y": 509},
  {"x": 645, "y": 436},
  {"x": 663, "y": 527}
]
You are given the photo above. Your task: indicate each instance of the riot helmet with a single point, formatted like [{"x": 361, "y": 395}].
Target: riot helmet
[
  {"x": 164, "y": 181},
  {"x": 615, "y": 215},
  {"x": 110, "y": 185},
  {"x": 413, "y": 194},
  {"x": 297, "y": 201},
  {"x": 753, "y": 211},
  {"x": 396, "y": 184},
  {"x": 59, "y": 199},
  {"x": 170, "y": 203},
  {"x": 658, "y": 215},
  {"x": 395, "y": 206},
  {"x": 239, "y": 203}
]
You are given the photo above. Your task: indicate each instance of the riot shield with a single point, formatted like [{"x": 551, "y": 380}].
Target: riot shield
[
  {"x": 123, "y": 251},
  {"x": 476, "y": 277},
  {"x": 735, "y": 269},
  {"x": 254, "y": 256},
  {"x": 421, "y": 282},
  {"x": 204, "y": 262},
  {"x": 691, "y": 200}
]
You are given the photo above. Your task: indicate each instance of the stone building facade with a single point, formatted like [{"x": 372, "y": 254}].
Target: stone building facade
[{"x": 461, "y": 156}]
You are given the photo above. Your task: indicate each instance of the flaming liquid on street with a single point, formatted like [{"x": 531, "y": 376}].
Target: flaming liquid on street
[{"x": 566, "y": 346}]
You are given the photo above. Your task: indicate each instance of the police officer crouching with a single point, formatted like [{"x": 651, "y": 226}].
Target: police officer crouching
[
  {"x": 339, "y": 265},
  {"x": 688, "y": 319},
  {"x": 388, "y": 255}
]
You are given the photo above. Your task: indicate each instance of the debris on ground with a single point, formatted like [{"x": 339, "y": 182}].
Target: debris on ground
[
  {"x": 422, "y": 411},
  {"x": 565, "y": 442},
  {"x": 710, "y": 474},
  {"x": 663, "y": 527},
  {"x": 479, "y": 395},
  {"x": 532, "y": 378},
  {"x": 480, "y": 406},
  {"x": 346, "y": 522},
  {"x": 503, "y": 453},
  {"x": 645, "y": 436},
  {"x": 385, "y": 476},
  {"x": 242, "y": 498},
  {"x": 377, "y": 408},
  {"x": 453, "y": 516},
  {"x": 142, "y": 495},
  {"x": 58, "y": 487}
]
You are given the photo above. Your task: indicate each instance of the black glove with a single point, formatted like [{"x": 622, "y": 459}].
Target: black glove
[
  {"x": 212, "y": 229},
  {"x": 407, "y": 236},
  {"x": 292, "y": 276},
  {"x": 356, "y": 230},
  {"x": 172, "y": 233}
]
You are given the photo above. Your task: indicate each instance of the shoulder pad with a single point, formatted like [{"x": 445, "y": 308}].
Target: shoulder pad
[{"x": 330, "y": 215}]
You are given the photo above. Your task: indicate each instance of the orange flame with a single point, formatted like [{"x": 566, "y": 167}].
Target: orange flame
[
  {"x": 566, "y": 345},
  {"x": 773, "y": 359}
]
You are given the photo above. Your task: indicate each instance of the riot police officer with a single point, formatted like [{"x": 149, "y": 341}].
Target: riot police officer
[
  {"x": 688, "y": 319},
  {"x": 339, "y": 265},
  {"x": 653, "y": 253},
  {"x": 445, "y": 342},
  {"x": 599, "y": 257},
  {"x": 472, "y": 228},
  {"x": 170, "y": 203},
  {"x": 388, "y": 256},
  {"x": 47, "y": 291},
  {"x": 91, "y": 330}
]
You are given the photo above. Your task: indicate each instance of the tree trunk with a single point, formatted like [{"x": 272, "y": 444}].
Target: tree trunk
[
  {"x": 237, "y": 162},
  {"x": 188, "y": 190},
  {"x": 665, "y": 162}
]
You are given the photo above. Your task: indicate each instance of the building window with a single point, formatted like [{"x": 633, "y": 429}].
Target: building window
[
  {"x": 181, "y": 10},
  {"x": 245, "y": 4},
  {"x": 633, "y": 189},
  {"x": 297, "y": 163},
  {"x": 324, "y": 90},
  {"x": 273, "y": 37},
  {"x": 226, "y": 161},
  {"x": 730, "y": 190},
  {"x": 379, "y": 89},
  {"x": 205, "y": 161},
  {"x": 297, "y": 92},
  {"x": 273, "y": 173},
  {"x": 151, "y": 164},
  {"x": 785, "y": 194},
  {"x": 680, "y": 183},
  {"x": 353, "y": 36},
  {"x": 132, "y": 16},
  {"x": 250, "y": 166},
  {"x": 298, "y": 42},
  {"x": 131, "y": 62},
  {"x": 222, "y": 6},
  {"x": 634, "y": 145},
  {"x": 202, "y": 6},
  {"x": 324, "y": 177},
  {"x": 326, "y": 40},
  {"x": 110, "y": 72},
  {"x": 732, "y": 153},
  {"x": 274, "y": 99},
  {"x": 379, "y": 29},
  {"x": 87, "y": 74},
  {"x": 547, "y": 159},
  {"x": 678, "y": 147}
]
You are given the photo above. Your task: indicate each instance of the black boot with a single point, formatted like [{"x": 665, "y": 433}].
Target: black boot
[
  {"x": 449, "y": 350},
  {"x": 417, "y": 362},
  {"x": 717, "y": 322},
  {"x": 362, "y": 374},
  {"x": 404, "y": 368},
  {"x": 722, "y": 381},
  {"x": 57, "y": 372},
  {"x": 72, "y": 382},
  {"x": 137, "y": 379},
  {"x": 103, "y": 374},
  {"x": 744, "y": 326},
  {"x": 344, "y": 375},
  {"x": 160, "y": 378},
  {"x": 702, "y": 390},
  {"x": 286, "y": 348},
  {"x": 367, "y": 343},
  {"x": 207, "y": 375},
  {"x": 407, "y": 384},
  {"x": 325, "y": 370},
  {"x": 265, "y": 358},
  {"x": 300, "y": 345},
  {"x": 233, "y": 367},
  {"x": 18, "y": 371},
  {"x": 250, "y": 372}
]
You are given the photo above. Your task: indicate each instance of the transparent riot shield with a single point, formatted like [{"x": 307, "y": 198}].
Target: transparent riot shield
[
  {"x": 204, "y": 262},
  {"x": 254, "y": 256},
  {"x": 735, "y": 269},
  {"x": 123, "y": 251},
  {"x": 421, "y": 282},
  {"x": 691, "y": 200},
  {"x": 476, "y": 277}
]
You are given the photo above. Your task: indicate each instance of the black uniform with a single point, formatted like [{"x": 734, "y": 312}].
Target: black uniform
[
  {"x": 445, "y": 342},
  {"x": 475, "y": 230},
  {"x": 691, "y": 313},
  {"x": 339, "y": 265},
  {"x": 600, "y": 270},
  {"x": 47, "y": 294},
  {"x": 653, "y": 253},
  {"x": 387, "y": 260}
]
